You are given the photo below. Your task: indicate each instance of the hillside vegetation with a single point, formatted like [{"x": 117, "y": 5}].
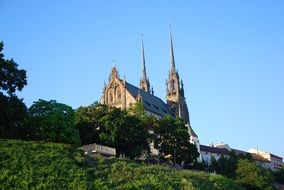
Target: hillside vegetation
[{"x": 41, "y": 165}]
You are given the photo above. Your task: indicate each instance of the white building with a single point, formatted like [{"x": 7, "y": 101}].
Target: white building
[
  {"x": 275, "y": 161},
  {"x": 207, "y": 152}
]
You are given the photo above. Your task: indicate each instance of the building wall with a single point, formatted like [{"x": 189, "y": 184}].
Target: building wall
[
  {"x": 206, "y": 156},
  {"x": 276, "y": 162}
]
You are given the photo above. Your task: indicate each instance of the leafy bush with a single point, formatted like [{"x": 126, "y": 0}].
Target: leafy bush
[
  {"x": 53, "y": 122},
  {"x": 42, "y": 165},
  {"x": 123, "y": 174},
  {"x": 251, "y": 176}
]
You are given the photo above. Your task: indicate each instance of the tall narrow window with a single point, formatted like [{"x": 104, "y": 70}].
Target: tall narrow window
[
  {"x": 118, "y": 94},
  {"x": 110, "y": 97},
  {"x": 173, "y": 84}
]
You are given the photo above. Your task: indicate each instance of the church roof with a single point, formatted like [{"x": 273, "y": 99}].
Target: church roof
[
  {"x": 150, "y": 102},
  {"x": 222, "y": 151}
]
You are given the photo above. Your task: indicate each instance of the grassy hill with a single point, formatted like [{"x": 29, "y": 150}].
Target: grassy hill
[{"x": 41, "y": 165}]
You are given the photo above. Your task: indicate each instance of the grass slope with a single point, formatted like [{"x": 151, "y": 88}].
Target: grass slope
[{"x": 41, "y": 165}]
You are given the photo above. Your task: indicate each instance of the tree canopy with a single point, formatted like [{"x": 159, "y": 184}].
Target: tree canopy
[
  {"x": 88, "y": 122},
  {"x": 13, "y": 110},
  {"x": 113, "y": 127},
  {"x": 11, "y": 78},
  {"x": 52, "y": 121},
  {"x": 251, "y": 176},
  {"x": 173, "y": 141}
]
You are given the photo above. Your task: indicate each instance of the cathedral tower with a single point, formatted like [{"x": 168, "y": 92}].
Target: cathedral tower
[
  {"x": 175, "y": 92},
  {"x": 144, "y": 81}
]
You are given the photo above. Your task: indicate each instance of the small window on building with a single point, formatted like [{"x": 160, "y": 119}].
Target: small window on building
[{"x": 118, "y": 95}]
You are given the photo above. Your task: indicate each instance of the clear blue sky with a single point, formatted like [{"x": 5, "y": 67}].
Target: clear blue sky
[{"x": 230, "y": 55}]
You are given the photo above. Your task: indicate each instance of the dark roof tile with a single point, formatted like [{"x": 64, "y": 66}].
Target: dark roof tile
[
  {"x": 150, "y": 102},
  {"x": 222, "y": 151}
]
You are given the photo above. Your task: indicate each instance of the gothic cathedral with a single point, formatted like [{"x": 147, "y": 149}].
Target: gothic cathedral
[{"x": 119, "y": 93}]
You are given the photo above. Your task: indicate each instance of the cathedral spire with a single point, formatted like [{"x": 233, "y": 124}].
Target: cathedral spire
[
  {"x": 175, "y": 92},
  {"x": 144, "y": 81},
  {"x": 144, "y": 75},
  {"x": 172, "y": 58}
]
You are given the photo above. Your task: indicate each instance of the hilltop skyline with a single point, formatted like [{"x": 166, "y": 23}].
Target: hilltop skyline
[{"x": 229, "y": 55}]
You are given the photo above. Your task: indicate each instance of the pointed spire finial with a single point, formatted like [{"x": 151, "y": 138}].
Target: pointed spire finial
[
  {"x": 144, "y": 81},
  {"x": 172, "y": 58},
  {"x": 114, "y": 72},
  {"x": 124, "y": 79},
  {"x": 144, "y": 75}
]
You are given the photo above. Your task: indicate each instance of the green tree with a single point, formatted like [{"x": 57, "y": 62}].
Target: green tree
[
  {"x": 52, "y": 121},
  {"x": 88, "y": 122},
  {"x": 137, "y": 109},
  {"x": 227, "y": 165},
  {"x": 124, "y": 132},
  {"x": 13, "y": 110},
  {"x": 214, "y": 165},
  {"x": 250, "y": 176},
  {"x": 173, "y": 141}
]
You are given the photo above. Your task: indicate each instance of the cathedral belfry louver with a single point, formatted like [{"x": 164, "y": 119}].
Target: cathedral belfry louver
[{"x": 119, "y": 93}]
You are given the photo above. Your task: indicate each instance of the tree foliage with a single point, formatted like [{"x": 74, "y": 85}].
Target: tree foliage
[
  {"x": 52, "y": 121},
  {"x": 12, "y": 78},
  {"x": 88, "y": 122},
  {"x": 227, "y": 165},
  {"x": 13, "y": 110},
  {"x": 251, "y": 176},
  {"x": 29, "y": 165},
  {"x": 173, "y": 141},
  {"x": 125, "y": 132},
  {"x": 113, "y": 127},
  {"x": 40, "y": 165}
]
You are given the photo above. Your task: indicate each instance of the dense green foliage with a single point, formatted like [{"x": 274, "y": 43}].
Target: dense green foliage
[
  {"x": 227, "y": 165},
  {"x": 173, "y": 140},
  {"x": 13, "y": 110},
  {"x": 120, "y": 174},
  {"x": 12, "y": 78},
  {"x": 113, "y": 127},
  {"x": 88, "y": 122},
  {"x": 251, "y": 176},
  {"x": 41, "y": 165},
  {"x": 131, "y": 131},
  {"x": 244, "y": 170},
  {"x": 52, "y": 121}
]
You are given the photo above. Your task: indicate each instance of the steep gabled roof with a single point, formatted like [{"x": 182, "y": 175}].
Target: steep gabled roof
[{"x": 150, "y": 102}]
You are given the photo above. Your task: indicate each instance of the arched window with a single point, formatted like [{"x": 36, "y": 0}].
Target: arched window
[
  {"x": 173, "y": 84},
  {"x": 118, "y": 94},
  {"x": 110, "y": 97}
]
